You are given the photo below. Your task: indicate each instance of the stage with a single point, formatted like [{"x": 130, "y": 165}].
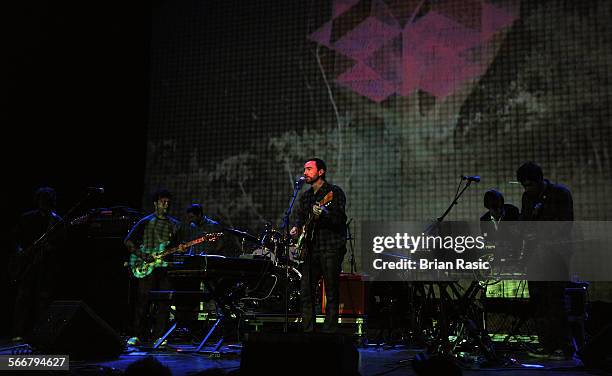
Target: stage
[{"x": 374, "y": 359}]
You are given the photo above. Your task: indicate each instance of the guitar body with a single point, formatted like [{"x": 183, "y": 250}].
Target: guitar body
[
  {"x": 302, "y": 241},
  {"x": 307, "y": 234},
  {"x": 141, "y": 268}
]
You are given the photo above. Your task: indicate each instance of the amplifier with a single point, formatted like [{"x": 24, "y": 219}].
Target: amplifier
[
  {"x": 352, "y": 294},
  {"x": 114, "y": 222}
]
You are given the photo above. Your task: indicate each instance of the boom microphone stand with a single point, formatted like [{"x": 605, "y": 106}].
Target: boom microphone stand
[
  {"x": 455, "y": 201},
  {"x": 465, "y": 307},
  {"x": 296, "y": 188}
]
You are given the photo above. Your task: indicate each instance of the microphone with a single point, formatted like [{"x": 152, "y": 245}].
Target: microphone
[
  {"x": 300, "y": 181},
  {"x": 99, "y": 190},
  {"x": 474, "y": 178},
  {"x": 210, "y": 221}
]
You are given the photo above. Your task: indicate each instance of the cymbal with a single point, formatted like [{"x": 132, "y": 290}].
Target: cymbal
[{"x": 242, "y": 234}]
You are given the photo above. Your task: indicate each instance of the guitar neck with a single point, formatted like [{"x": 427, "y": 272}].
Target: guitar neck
[
  {"x": 309, "y": 220},
  {"x": 184, "y": 246},
  {"x": 323, "y": 203}
]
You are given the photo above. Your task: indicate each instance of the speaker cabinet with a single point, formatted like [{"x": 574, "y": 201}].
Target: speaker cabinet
[
  {"x": 71, "y": 327},
  {"x": 298, "y": 354}
]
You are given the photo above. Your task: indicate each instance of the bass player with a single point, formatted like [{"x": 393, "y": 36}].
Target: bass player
[{"x": 156, "y": 230}]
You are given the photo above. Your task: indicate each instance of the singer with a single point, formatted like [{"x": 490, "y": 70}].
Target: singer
[{"x": 325, "y": 246}]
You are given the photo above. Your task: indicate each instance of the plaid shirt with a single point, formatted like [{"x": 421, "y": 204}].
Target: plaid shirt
[
  {"x": 330, "y": 227},
  {"x": 152, "y": 231}
]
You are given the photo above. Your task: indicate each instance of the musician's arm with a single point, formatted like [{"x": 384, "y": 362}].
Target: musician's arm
[
  {"x": 132, "y": 248},
  {"x": 134, "y": 238},
  {"x": 184, "y": 232},
  {"x": 523, "y": 215},
  {"x": 17, "y": 233},
  {"x": 563, "y": 211},
  {"x": 23, "y": 235},
  {"x": 564, "y": 205},
  {"x": 299, "y": 216}
]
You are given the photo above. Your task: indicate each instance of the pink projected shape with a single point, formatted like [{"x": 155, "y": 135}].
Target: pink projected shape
[
  {"x": 366, "y": 38},
  {"x": 428, "y": 54},
  {"x": 341, "y": 6},
  {"x": 323, "y": 35},
  {"x": 387, "y": 60},
  {"x": 494, "y": 19},
  {"x": 365, "y": 81}
]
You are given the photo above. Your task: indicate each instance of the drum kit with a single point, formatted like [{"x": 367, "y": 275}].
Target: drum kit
[
  {"x": 272, "y": 245},
  {"x": 269, "y": 245}
]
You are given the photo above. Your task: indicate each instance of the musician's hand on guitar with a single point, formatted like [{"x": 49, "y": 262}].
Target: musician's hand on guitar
[{"x": 317, "y": 210}]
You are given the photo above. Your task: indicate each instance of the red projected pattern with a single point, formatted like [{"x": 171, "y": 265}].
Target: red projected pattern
[{"x": 436, "y": 52}]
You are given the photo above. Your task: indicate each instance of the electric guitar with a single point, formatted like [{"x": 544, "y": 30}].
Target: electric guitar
[
  {"x": 141, "y": 268},
  {"x": 307, "y": 233}
]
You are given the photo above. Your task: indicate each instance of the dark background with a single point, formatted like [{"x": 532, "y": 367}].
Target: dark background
[
  {"x": 75, "y": 116},
  {"x": 76, "y": 102}
]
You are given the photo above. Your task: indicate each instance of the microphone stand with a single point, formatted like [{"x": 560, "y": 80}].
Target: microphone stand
[
  {"x": 455, "y": 202},
  {"x": 350, "y": 238},
  {"x": 466, "y": 299},
  {"x": 443, "y": 286},
  {"x": 296, "y": 188}
]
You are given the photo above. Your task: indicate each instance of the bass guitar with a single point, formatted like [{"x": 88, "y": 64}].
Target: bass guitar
[
  {"x": 141, "y": 268},
  {"x": 307, "y": 234}
]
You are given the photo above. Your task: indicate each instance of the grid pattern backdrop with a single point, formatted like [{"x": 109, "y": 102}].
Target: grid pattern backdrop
[{"x": 400, "y": 98}]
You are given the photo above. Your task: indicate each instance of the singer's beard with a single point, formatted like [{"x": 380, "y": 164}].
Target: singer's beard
[{"x": 312, "y": 180}]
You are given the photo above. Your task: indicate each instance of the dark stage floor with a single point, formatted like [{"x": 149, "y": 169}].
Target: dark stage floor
[{"x": 373, "y": 360}]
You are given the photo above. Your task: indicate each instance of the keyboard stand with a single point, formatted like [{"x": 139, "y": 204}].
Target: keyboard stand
[{"x": 171, "y": 296}]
